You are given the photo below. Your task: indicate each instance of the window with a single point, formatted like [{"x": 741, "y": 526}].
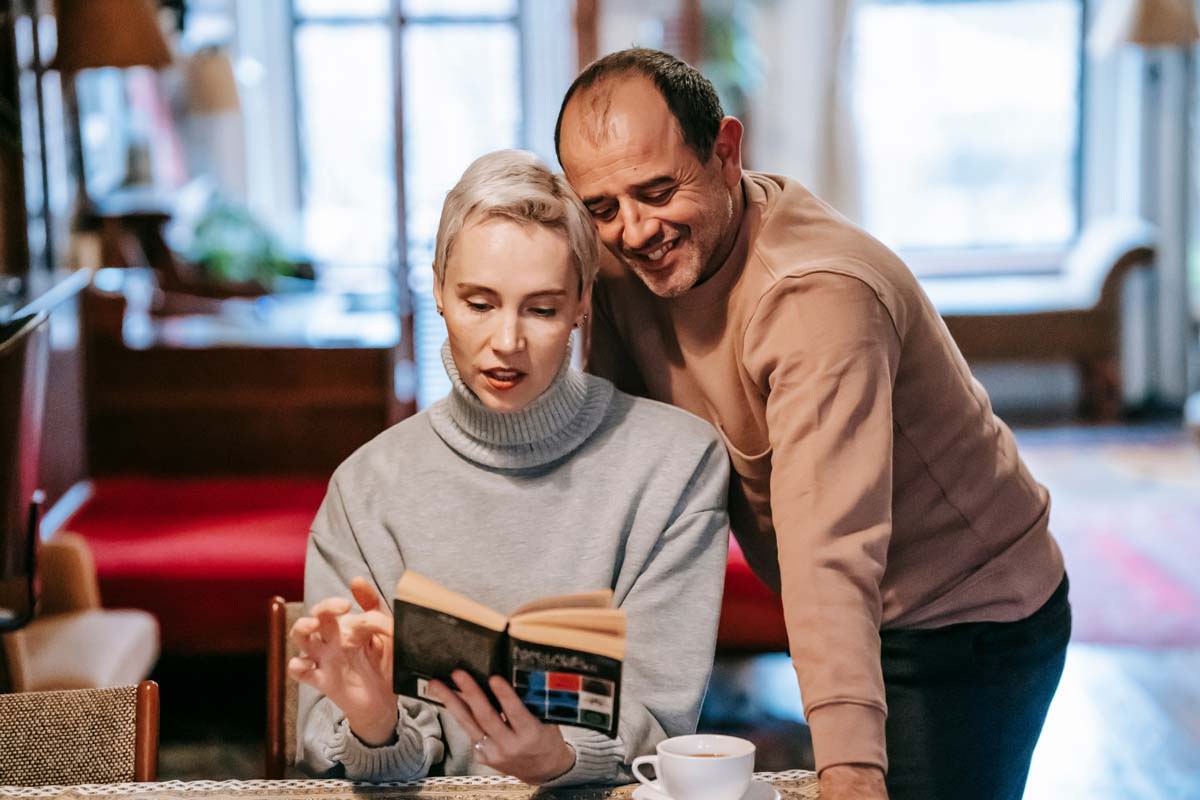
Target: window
[
  {"x": 453, "y": 111},
  {"x": 968, "y": 116}
]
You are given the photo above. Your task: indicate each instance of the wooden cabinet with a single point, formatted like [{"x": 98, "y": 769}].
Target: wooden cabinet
[{"x": 232, "y": 391}]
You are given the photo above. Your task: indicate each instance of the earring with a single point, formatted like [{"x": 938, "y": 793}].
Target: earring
[{"x": 441, "y": 313}]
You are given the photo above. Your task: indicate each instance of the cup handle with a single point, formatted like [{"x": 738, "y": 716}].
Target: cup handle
[{"x": 638, "y": 762}]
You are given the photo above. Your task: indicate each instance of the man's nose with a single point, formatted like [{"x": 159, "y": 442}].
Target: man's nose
[{"x": 638, "y": 230}]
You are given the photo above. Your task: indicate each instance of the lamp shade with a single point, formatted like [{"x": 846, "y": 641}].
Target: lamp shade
[
  {"x": 211, "y": 88},
  {"x": 109, "y": 33},
  {"x": 1150, "y": 23}
]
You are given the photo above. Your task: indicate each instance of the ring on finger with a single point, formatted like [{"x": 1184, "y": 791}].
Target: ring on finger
[{"x": 480, "y": 744}]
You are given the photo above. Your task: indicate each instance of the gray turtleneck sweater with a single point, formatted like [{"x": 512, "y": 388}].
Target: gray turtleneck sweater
[{"x": 585, "y": 488}]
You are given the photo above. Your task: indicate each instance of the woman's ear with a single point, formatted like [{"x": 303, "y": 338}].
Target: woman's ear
[
  {"x": 585, "y": 308},
  {"x": 437, "y": 295}
]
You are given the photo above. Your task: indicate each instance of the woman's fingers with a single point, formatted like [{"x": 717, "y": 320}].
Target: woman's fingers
[
  {"x": 330, "y": 605},
  {"x": 481, "y": 708},
  {"x": 365, "y": 595},
  {"x": 457, "y": 709},
  {"x": 302, "y": 633},
  {"x": 304, "y": 670},
  {"x": 518, "y": 716}
]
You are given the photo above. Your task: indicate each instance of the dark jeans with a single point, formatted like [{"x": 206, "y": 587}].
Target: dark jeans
[{"x": 966, "y": 703}]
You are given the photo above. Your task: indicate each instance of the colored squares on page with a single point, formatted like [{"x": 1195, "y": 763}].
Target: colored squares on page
[{"x": 565, "y": 697}]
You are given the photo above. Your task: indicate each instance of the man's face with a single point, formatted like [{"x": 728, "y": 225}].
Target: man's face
[{"x": 665, "y": 215}]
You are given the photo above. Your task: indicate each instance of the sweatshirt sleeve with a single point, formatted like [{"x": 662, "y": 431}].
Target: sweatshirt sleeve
[
  {"x": 326, "y": 744},
  {"x": 673, "y": 602},
  {"x": 826, "y": 350}
]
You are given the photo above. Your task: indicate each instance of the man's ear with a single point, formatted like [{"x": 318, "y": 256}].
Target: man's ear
[{"x": 728, "y": 150}]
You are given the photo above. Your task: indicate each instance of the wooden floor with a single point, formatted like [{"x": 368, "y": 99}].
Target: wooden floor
[{"x": 1125, "y": 723}]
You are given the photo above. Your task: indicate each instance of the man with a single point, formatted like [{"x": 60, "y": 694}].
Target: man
[{"x": 925, "y": 598}]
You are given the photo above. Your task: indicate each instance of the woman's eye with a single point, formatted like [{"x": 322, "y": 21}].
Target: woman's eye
[
  {"x": 544, "y": 312},
  {"x": 480, "y": 307}
]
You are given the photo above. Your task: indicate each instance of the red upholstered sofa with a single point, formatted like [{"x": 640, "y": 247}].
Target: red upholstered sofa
[{"x": 204, "y": 555}]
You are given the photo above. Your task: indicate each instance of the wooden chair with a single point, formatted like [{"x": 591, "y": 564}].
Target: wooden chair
[
  {"x": 281, "y": 692},
  {"x": 79, "y": 736}
]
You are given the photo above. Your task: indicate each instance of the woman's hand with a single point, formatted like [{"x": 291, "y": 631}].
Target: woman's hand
[
  {"x": 515, "y": 743},
  {"x": 348, "y": 658}
]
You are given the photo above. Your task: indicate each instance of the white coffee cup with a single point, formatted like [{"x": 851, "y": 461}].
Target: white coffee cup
[{"x": 703, "y": 766}]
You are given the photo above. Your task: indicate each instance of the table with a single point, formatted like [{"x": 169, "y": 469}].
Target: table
[{"x": 792, "y": 785}]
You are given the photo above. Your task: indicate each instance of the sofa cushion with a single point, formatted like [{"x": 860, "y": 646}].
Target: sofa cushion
[{"x": 88, "y": 649}]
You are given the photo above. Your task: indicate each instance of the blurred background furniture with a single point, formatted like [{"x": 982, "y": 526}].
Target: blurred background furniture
[
  {"x": 23, "y": 362},
  {"x": 74, "y": 643},
  {"x": 1071, "y": 315},
  {"x": 80, "y": 736}
]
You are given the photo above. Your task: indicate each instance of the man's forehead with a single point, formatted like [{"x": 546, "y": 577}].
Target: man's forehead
[{"x": 623, "y": 113}]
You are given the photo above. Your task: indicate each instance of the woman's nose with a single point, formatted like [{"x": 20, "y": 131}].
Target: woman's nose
[{"x": 508, "y": 336}]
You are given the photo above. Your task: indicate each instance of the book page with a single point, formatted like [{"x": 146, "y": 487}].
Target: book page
[
  {"x": 610, "y": 621},
  {"x": 417, "y": 589},
  {"x": 600, "y": 598}
]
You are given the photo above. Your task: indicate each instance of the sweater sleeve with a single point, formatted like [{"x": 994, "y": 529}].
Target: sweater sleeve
[
  {"x": 826, "y": 350},
  {"x": 326, "y": 744},
  {"x": 673, "y": 602}
]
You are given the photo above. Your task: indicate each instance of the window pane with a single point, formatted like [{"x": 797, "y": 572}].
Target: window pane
[
  {"x": 347, "y": 145},
  {"x": 342, "y": 8},
  {"x": 454, "y": 112},
  {"x": 460, "y": 8},
  {"x": 967, "y": 115}
]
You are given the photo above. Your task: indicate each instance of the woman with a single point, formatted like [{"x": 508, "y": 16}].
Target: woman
[{"x": 530, "y": 479}]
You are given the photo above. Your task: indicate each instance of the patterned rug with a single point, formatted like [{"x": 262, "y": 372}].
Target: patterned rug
[{"x": 1125, "y": 507}]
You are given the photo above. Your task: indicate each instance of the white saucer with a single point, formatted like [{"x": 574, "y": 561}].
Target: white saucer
[{"x": 759, "y": 790}]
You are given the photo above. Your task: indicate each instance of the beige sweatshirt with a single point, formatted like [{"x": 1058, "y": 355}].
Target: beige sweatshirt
[{"x": 874, "y": 486}]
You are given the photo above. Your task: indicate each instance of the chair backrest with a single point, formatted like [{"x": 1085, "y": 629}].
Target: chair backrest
[
  {"x": 281, "y": 692},
  {"x": 24, "y": 355},
  {"x": 79, "y": 736}
]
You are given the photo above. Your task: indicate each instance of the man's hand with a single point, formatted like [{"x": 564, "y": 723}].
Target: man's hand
[
  {"x": 852, "y": 782},
  {"x": 516, "y": 742},
  {"x": 348, "y": 658}
]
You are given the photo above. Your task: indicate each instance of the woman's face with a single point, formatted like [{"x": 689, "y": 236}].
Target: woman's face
[{"x": 510, "y": 298}]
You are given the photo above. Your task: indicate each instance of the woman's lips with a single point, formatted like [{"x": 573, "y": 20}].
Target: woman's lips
[{"x": 503, "y": 379}]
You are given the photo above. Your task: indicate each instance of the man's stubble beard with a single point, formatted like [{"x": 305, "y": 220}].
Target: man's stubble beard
[{"x": 698, "y": 265}]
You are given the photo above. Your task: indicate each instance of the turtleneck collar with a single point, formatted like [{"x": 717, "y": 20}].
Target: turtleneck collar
[{"x": 558, "y": 421}]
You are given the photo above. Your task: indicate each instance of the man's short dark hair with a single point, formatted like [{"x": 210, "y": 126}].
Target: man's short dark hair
[{"x": 689, "y": 95}]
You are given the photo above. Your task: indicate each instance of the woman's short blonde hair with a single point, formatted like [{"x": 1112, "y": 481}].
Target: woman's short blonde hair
[{"x": 517, "y": 185}]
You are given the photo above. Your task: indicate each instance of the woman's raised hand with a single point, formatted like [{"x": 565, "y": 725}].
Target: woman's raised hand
[{"x": 348, "y": 658}]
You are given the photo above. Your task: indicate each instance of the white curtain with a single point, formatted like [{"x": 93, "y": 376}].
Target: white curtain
[{"x": 801, "y": 122}]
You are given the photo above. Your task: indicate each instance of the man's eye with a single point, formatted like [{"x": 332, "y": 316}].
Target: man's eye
[
  {"x": 660, "y": 197},
  {"x": 604, "y": 213}
]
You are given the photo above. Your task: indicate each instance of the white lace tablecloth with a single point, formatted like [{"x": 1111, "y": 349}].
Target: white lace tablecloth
[{"x": 792, "y": 785}]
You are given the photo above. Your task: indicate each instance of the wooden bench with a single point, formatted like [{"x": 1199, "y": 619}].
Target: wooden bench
[{"x": 1070, "y": 315}]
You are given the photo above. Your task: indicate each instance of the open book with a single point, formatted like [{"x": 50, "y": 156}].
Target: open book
[{"x": 562, "y": 654}]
